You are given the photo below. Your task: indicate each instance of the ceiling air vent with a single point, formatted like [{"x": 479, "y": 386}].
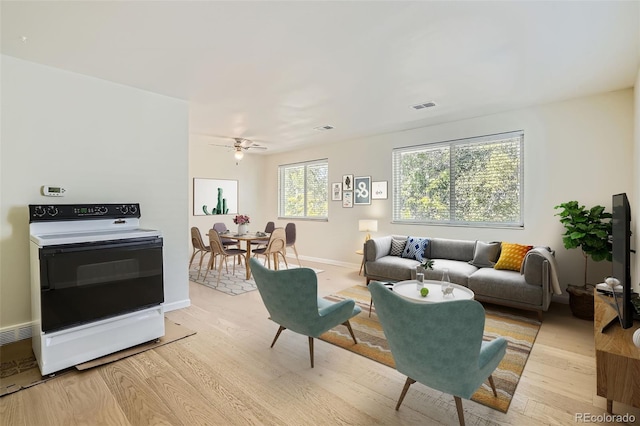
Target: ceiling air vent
[
  {"x": 323, "y": 128},
  {"x": 423, "y": 106}
]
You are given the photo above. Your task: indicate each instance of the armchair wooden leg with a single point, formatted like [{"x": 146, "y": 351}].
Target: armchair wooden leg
[
  {"x": 408, "y": 383},
  {"x": 277, "y": 335},
  {"x": 353, "y": 336},
  {"x": 460, "y": 411},
  {"x": 493, "y": 386},
  {"x": 311, "y": 350}
]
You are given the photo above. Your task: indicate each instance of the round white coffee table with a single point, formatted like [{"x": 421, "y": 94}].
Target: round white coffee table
[{"x": 409, "y": 289}]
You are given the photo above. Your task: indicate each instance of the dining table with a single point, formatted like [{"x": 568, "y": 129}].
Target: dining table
[{"x": 248, "y": 238}]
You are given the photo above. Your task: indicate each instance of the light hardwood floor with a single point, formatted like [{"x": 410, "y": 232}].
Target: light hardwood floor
[{"x": 226, "y": 374}]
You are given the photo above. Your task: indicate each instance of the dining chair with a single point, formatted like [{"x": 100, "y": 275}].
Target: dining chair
[
  {"x": 218, "y": 249},
  {"x": 276, "y": 245},
  {"x": 198, "y": 247},
  {"x": 268, "y": 229},
  {"x": 290, "y": 230},
  {"x": 291, "y": 298},
  {"x": 226, "y": 242},
  {"x": 438, "y": 344}
]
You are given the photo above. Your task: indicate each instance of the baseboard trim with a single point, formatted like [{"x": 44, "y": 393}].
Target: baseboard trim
[
  {"x": 327, "y": 261},
  {"x": 185, "y": 303}
]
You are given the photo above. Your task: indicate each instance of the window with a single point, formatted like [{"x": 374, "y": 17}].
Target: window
[
  {"x": 475, "y": 181},
  {"x": 304, "y": 190}
]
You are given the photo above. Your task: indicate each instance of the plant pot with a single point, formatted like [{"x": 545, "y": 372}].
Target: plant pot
[{"x": 581, "y": 302}]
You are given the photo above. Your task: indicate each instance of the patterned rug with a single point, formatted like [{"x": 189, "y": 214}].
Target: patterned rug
[
  {"x": 519, "y": 331},
  {"x": 230, "y": 283}
]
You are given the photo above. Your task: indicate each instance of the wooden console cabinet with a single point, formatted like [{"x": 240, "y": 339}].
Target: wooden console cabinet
[{"x": 617, "y": 358}]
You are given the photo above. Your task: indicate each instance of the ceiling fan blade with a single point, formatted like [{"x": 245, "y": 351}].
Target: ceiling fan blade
[
  {"x": 242, "y": 142},
  {"x": 256, "y": 147},
  {"x": 223, "y": 146}
]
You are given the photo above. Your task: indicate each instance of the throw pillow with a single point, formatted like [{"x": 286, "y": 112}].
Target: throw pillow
[
  {"x": 511, "y": 256},
  {"x": 415, "y": 248},
  {"x": 485, "y": 254},
  {"x": 397, "y": 247}
]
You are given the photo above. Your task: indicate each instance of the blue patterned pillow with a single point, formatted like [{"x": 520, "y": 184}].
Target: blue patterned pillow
[{"x": 415, "y": 248}]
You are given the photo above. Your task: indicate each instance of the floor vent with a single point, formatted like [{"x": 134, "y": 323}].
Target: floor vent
[{"x": 15, "y": 333}]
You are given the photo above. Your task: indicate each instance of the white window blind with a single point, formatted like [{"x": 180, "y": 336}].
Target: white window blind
[
  {"x": 304, "y": 190},
  {"x": 474, "y": 181}
]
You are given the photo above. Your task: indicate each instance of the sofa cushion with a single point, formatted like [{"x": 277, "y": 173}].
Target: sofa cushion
[
  {"x": 392, "y": 267},
  {"x": 397, "y": 247},
  {"x": 415, "y": 248},
  {"x": 459, "y": 271},
  {"x": 511, "y": 256},
  {"x": 485, "y": 255},
  {"x": 505, "y": 285},
  {"x": 376, "y": 248},
  {"x": 444, "y": 248}
]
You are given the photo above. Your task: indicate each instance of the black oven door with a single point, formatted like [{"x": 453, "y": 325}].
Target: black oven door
[{"x": 86, "y": 282}]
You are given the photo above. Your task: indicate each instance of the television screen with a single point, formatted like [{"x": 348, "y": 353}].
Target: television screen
[{"x": 620, "y": 254}]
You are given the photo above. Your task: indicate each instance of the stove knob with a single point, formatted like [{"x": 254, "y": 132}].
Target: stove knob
[
  {"x": 101, "y": 210},
  {"x": 39, "y": 211},
  {"x": 124, "y": 209},
  {"x": 133, "y": 209},
  {"x": 52, "y": 210}
]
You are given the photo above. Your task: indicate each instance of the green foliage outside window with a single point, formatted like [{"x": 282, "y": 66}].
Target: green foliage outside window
[
  {"x": 304, "y": 190},
  {"x": 460, "y": 182}
]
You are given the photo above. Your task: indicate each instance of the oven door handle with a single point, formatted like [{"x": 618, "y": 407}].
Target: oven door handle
[{"x": 141, "y": 243}]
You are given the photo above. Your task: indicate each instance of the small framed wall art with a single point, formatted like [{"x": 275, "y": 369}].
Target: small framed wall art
[
  {"x": 362, "y": 190},
  {"x": 379, "y": 190},
  {"x": 336, "y": 191},
  {"x": 347, "y": 199},
  {"x": 347, "y": 182}
]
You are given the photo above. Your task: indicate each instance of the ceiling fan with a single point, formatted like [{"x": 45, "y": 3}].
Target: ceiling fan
[{"x": 240, "y": 145}]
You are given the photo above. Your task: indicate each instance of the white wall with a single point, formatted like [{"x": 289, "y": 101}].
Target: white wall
[
  {"x": 105, "y": 143},
  {"x": 569, "y": 149}
]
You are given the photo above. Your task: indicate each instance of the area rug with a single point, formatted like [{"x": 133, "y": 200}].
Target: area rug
[
  {"x": 231, "y": 283},
  {"x": 19, "y": 370},
  {"x": 519, "y": 331}
]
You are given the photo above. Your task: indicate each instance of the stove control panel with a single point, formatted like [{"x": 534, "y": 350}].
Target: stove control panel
[{"x": 49, "y": 212}]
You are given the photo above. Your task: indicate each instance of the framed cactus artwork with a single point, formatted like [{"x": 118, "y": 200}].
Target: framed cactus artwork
[{"x": 215, "y": 196}]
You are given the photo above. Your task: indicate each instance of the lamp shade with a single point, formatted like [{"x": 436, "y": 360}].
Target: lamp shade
[
  {"x": 368, "y": 225},
  {"x": 238, "y": 154}
]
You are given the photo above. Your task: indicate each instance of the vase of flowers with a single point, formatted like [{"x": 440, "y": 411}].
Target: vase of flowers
[{"x": 242, "y": 221}]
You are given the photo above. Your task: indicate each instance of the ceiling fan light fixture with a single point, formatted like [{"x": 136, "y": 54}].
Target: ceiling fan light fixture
[{"x": 238, "y": 154}]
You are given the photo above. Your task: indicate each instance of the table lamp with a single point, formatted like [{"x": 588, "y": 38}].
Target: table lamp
[{"x": 367, "y": 225}]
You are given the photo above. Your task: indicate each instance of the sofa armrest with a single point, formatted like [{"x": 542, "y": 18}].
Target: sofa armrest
[
  {"x": 377, "y": 247},
  {"x": 536, "y": 271}
]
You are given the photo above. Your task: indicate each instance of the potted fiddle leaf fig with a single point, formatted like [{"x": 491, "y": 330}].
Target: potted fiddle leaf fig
[{"x": 589, "y": 230}]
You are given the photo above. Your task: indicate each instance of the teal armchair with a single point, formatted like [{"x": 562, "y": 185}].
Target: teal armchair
[
  {"x": 438, "y": 344},
  {"x": 291, "y": 297}
]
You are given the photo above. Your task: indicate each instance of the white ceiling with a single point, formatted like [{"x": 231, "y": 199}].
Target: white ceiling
[{"x": 272, "y": 71}]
